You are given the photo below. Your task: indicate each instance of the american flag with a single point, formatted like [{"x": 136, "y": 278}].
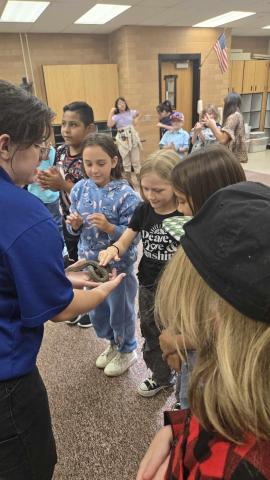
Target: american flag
[{"x": 221, "y": 51}]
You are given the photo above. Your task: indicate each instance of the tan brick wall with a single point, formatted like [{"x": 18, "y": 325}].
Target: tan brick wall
[
  {"x": 48, "y": 49},
  {"x": 136, "y": 51}
]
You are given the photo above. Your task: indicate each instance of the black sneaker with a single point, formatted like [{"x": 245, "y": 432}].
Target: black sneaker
[
  {"x": 74, "y": 320},
  {"x": 84, "y": 321},
  {"x": 149, "y": 388}
]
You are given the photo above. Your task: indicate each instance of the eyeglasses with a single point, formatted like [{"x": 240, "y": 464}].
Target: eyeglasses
[{"x": 43, "y": 151}]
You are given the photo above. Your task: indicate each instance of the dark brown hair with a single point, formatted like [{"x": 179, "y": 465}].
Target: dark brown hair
[
  {"x": 25, "y": 118},
  {"x": 232, "y": 104},
  {"x": 116, "y": 102},
  {"x": 204, "y": 172},
  {"x": 106, "y": 142}
]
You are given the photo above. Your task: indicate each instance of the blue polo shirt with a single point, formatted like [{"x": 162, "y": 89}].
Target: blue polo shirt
[
  {"x": 33, "y": 285},
  {"x": 180, "y": 139}
]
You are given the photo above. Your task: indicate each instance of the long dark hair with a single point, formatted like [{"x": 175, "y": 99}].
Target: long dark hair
[
  {"x": 204, "y": 172},
  {"x": 25, "y": 118},
  {"x": 232, "y": 104},
  {"x": 106, "y": 142},
  {"x": 116, "y": 102}
]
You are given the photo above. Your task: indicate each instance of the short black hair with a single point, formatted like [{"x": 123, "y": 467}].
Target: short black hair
[
  {"x": 25, "y": 118},
  {"x": 84, "y": 111}
]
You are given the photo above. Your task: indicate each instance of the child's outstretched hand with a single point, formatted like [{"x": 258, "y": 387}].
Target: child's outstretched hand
[
  {"x": 106, "y": 256},
  {"x": 198, "y": 127},
  {"x": 75, "y": 220},
  {"x": 51, "y": 179},
  {"x": 99, "y": 220},
  {"x": 156, "y": 460}
]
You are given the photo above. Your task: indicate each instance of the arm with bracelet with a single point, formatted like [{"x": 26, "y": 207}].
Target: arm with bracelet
[{"x": 118, "y": 248}]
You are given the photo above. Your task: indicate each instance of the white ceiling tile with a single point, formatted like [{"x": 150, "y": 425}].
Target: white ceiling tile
[{"x": 61, "y": 15}]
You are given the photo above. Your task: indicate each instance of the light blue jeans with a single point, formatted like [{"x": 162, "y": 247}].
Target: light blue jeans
[
  {"x": 115, "y": 318},
  {"x": 182, "y": 380}
]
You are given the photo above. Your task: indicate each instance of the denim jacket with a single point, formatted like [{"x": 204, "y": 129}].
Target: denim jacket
[{"x": 117, "y": 201}]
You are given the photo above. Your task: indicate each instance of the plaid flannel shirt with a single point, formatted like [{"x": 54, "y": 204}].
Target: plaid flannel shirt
[{"x": 200, "y": 455}]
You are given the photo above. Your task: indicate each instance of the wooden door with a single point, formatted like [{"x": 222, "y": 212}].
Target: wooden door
[
  {"x": 184, "y": 88},
  {"x": 249, "y": 75},
  {"x": 261, "y": 68},
  {"x": 237, "y": 72}
]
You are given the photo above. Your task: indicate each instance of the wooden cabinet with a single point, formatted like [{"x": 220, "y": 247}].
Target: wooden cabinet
[
  {"x": 236, "y": 76},
  {"x": 95, "y": 84},
  {"x": 255, "y": 74},
  {"x": 268, "y": 77}
]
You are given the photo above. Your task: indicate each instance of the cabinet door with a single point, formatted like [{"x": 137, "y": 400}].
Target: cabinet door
[
  {"x": 249, "y": 75},
  {"x": 261, "y": 67},
  {"x": 237, "y": 71}
]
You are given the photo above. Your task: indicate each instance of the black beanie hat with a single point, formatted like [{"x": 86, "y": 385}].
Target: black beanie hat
[{"x": 228, "y": 243}]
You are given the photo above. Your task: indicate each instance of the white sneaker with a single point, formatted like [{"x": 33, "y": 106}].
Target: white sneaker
[
  {"x": 106, "y": 356},
  {"x": 120, "y": 363},
  {"x": 149, "y": 388}
]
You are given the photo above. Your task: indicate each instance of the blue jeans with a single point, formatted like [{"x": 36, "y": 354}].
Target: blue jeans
[
  {"x": 115, "y": 318},
  {"x": 182, "y": 381},
  {"x": 27, "y": 447}
]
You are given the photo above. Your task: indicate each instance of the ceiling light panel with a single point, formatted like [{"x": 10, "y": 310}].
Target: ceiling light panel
[
  {"x": 26, "y": 12},
  {"x": 101, "y": 13},
  {"x": 225, "y": 18}
]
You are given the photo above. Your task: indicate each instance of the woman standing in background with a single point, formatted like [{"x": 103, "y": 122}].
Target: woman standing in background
[
  {"x": 232, "y": 132},
  {"x": 127, "y": 138}
]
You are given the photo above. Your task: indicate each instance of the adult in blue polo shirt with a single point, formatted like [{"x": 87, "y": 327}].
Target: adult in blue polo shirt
[{"x": 33, "y": 289}]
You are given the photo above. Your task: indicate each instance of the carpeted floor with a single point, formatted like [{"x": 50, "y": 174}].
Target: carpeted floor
[{"x": 102, "y": 426}]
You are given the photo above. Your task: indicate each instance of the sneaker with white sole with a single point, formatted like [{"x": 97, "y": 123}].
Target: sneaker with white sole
[
  {"x": 106, "y": 356},
  {"x": 85, "y": 321},
  {"x": 120, "y": 363},
  {"x": 73, "y": 321},
  {"x": 149, "y": 388}
]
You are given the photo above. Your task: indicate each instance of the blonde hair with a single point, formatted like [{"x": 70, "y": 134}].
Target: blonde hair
[
  {"x": 161, "y": 162},
  {"x": 210, "y": 109},
  {"x": 229, "y": 387}
]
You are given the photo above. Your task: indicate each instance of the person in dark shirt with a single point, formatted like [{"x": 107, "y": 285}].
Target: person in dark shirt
[
  {"x": 158, "y": 247},
  {"x": 33, "y": 289},
  {"x": 77, "y": 123},
  {"x": 164, "y": 111}
]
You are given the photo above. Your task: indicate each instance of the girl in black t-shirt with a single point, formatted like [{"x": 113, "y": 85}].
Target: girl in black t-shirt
[{"x": 158, "y": 247}]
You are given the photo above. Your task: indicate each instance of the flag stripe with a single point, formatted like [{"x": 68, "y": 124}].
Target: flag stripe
[{"x": 221, "y": 51}]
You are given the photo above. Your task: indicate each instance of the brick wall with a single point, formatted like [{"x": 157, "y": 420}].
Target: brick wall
[
  {"x": 136, "y": 51},
  {"x": 48, "y": 49}
]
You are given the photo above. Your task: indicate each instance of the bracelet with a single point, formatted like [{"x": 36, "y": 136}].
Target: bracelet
[{"x": 115, "y": 246}]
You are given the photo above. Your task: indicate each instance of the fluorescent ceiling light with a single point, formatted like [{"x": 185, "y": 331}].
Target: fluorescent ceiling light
[
  {"x": 28, "y": 12},
  {"x": 225, "y": 18},
  {"x": 101, "y": 13},
  {"x": 267, "y": 26}
]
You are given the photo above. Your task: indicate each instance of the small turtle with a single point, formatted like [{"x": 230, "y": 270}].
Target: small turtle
[{"x": 96, "y": 272}]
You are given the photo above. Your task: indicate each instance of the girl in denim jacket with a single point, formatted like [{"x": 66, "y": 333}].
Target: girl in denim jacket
[{"x": 101, "y": 207}]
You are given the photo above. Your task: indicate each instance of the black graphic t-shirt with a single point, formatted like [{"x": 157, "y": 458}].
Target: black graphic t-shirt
[{"x": 158, "y": 245}]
